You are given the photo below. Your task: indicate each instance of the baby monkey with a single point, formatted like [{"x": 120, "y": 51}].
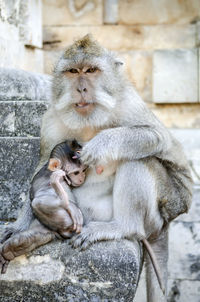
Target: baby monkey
[
  {"x": 52, "y": 201},
  {"x": 51, "y": 194}
]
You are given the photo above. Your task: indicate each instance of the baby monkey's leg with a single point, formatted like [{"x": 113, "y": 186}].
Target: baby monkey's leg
[{"x": 23, "y": 243}]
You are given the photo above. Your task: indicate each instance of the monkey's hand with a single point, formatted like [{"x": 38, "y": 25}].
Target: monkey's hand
[
  {"x": 98, "y": 150},
  {"x": 57, "y": 176},
  {"x": 3, "y": 263},
  {"x": 76, "y": 216}
]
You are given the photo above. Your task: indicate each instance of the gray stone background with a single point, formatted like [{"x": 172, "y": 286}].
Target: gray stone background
[{"x": 160, "y": 46}]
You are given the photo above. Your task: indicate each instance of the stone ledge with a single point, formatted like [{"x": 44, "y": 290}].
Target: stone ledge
[
  {"x": 107, "y": 271},
  {"x": 16, "y": 84}
]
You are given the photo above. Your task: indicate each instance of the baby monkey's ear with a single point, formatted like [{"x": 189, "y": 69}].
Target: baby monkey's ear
[{"x": 54, "y": 164}]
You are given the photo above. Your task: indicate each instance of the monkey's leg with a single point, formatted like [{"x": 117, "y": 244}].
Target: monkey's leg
[
  {"x": 24, "y": 242},
  {"x": 160, "y": 248},
  {"x": 21, "y": 224},
  {"x": 134, "y": 208},
  {"x": 50, "y": 212}
]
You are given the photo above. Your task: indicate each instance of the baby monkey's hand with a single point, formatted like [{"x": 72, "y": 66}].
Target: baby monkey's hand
[{"x": 57, "y": 176}]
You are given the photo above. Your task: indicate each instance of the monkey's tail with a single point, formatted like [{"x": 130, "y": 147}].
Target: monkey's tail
[{"x": 155, "y": 264}]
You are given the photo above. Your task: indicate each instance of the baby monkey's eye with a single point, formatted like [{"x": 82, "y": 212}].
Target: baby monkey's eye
[
  {"x": 73, "y": 70},
  {"x": 85, "y": 169},
  {"x": 76, "y": 173},
  {"x": 91, "y": 70}
]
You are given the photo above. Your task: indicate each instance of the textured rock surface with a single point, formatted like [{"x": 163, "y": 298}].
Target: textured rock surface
[
  {"x": 17, "y": 84},
  {"x": 107, "y": 271}
]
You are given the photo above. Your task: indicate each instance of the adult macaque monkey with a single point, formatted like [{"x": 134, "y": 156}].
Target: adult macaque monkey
[
  {"x": 52, "y": 201},
  {"x": 145, "y": 181}
]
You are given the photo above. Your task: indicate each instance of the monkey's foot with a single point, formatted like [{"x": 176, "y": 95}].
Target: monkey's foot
[{"x": 84, "y": 239}]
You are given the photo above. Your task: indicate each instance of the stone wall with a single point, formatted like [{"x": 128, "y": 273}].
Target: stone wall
[
  {"x": 158, "y": 40},
  {"x": 21, "y": 34}
]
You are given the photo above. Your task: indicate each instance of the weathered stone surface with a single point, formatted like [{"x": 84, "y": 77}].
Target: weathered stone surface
[
  {"x": 175, "y": 76},
  {"x": 159, "y": 12},
  {"x": 194, "y": 213},
  {"x": 110, "y": 12},
  {"x": 184, "y": 245},
  {"x": 14, "y": 55},
  {"x": 18, "y": 159},
  {"x": 107, "y": 271},
  {"x": 72, "y": 12},
  {"x": 30, "y": 26},
  {"x": 21, "y": 118},
  {"x": 22, "y": 19},
  {"x": 178, "y": 115},
  {"x": 124, "y": 38},
  {"x": 183, "y": 291},
  {"x": 17, "y": 84},
  {"x": 138, "y": 67}
]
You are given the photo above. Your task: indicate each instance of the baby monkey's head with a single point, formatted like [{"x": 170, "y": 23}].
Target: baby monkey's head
[{"x": 66, "y": 156}]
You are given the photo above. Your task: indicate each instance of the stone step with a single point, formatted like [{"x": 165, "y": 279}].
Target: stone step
[{"x": 21, "y": 118}]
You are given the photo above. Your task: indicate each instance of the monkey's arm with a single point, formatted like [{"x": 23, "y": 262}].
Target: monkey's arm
[
  {"x": 126, "y": 143},
  {"x": 75, "y": 213}
]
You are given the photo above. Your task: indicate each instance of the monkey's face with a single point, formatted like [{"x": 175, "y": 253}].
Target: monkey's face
[
  {"x": 84, "y": 94},
  {"x": 77, "y": 175}
]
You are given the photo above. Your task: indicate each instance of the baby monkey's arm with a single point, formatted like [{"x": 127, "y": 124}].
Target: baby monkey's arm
[{"x": 57, "y": 183}]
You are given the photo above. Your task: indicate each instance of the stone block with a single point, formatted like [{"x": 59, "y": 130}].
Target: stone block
[
  {"x": 175, "y": 76},
  {"x": 184, "y": 245},
  {"x": 30, "y": 22},
  {"x": 18, "y": 160},
  {"x": 124, "y": 38},
  {"x": 110, "y": 11},
  {"x": 72, "y": 12},
  {"x": 22, "y": 20},
  {"x": 107, "y": 272},
  {"x": 21, "y": 118},
  {"x": 7, "y": 119},
  {"x": 17, "y": 84},
  {"x": 138, "y": 67},
  {"x": 159, "y": 12},
  {"x": 178, "y": 115},
  {"x": 28, "y": 118}
]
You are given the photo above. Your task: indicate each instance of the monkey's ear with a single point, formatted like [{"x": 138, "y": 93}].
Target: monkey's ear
[{"x": 54, "y": 164}]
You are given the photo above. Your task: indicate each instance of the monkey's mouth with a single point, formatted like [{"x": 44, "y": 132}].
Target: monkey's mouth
[
  {"x": 82, "y": 104},
  {"x": 84, "y": 108}
]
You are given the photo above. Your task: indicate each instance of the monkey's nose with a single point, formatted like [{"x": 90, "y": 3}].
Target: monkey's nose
[{"x": 82, "y": 89}]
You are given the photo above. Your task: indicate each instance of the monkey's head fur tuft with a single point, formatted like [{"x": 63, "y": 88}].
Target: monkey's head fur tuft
[{"x": 86, "y": 45}]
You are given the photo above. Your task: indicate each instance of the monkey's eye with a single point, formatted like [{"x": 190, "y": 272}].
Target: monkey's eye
[
  {"x": 91, "y": 70},
  {"x": 85, "y": 169},
  {"x": 73, "y": 70},
  {"x": 76, "y": 173}
]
